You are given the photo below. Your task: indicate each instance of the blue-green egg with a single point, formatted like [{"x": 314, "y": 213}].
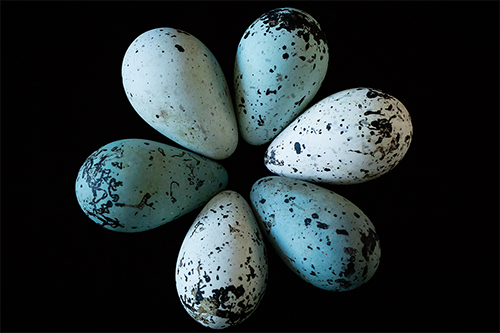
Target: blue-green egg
[
  {"x": 134, "y": 185},
  {"x": 321, "y": 236}
]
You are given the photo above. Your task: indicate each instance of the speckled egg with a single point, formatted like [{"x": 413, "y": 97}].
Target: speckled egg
[
  {"x": 134, "y": 185},
  {"x": 321, "y": 236},
  {"x": 176, "y": 85},
  {"x": 350, "y": 137},
  {"x": 221, "y": 271},
  {"x": 280, "y": 64}
]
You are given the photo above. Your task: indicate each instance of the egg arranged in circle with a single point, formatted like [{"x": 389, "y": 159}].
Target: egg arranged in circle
[
  {"x": 177, "y": 86},
  {"x": 350, "y": 137},
  {"x": 321, "y": 236},
  {"x": 221, "y": 270},
  {"x": 135, "y": 185},
  {"x": 280, "y": 64}
]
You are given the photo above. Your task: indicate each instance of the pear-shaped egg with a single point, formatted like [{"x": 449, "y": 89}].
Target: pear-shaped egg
[
  {"x": 280, "y": 64},
  {"x": 177, "y": 86},
  {"x": 221, "y": 271},
  {"x": 321, "y": 236},
  {"x": 134, "y": 185},
  {"x": 350, "y": 137}
]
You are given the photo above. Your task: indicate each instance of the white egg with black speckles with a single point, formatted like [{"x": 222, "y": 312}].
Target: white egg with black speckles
[
  {"x": 321, "y": 236},
  {"x": 135, "y": 185},
  {"x": 177, "y": 86},
  {"x": 280, "y": 64},
  {"x": 221, "y": 270},
  {"x": 350, "y": 137}
]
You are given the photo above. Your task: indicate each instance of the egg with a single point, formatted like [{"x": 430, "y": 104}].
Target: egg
[
  {"x": 177, "y": 86},
  {"x": 321, "y": 236},
  {"x": 281, "y": 61},
  {"x": 221, "y": 270},
  {"x": 135, "y": 185},
  {"x": 350, "y": 137}
]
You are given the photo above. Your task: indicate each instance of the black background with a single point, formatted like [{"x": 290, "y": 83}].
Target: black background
[{"x": 436, "y": 213}]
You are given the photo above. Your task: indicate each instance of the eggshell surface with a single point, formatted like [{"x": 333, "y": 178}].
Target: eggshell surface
[
  {"x": 321, "y": 236},
  {"x": 221, "y": 270},
  {"x": 134, "y": 185},
  {"x": 177, "y": 86},
  {"x": 280, "y": 64},
  {"x": 350, "y": 137}
]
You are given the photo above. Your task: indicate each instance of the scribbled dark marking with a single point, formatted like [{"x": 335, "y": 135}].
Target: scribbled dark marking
[
  {"x": 172, "y": 193},
  {"x": 101, "y": 183},
  {"x": 140, "y": 205}
]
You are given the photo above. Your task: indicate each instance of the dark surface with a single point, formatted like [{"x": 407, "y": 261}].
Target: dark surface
[{"x": 436, "y": 213}]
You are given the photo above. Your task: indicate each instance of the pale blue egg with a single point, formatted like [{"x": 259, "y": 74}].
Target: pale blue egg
[
  {"x": 281, "y": 61},
  {"x": 177, "y": 86},
  {"x": 321, "y": 236},
  {"x": 134, "y": 185}
]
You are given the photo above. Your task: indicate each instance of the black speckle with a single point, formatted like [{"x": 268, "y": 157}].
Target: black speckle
[
  {"x": 322, "y": 225},
  {"x": 329, "y": 126},
  {"x": 260, "y": 122},
  {"x": 372, "y": 93},
  {"x": 291, "y": 20},
  {"x": 180, "y": 48},
  {"x": 369, "y": 243},
  {"x": 300, "y": 101},
  {"x": 373, "y": 112},
  {"x": 315, "y": 216},
  {"x": 342, "y": 232},
  {"x": 357, "y": 215},
  {"x": 344, "y": 283},
  {"x": 262, "y": 201},
  {"x": 246, "y": 35},
  {"x": 285, "y": 55},
  {"x": 302, "y": 58},
  {"x": 297, "y": 147},
  {"x": 307, "y": 221},
  {"x": 269, "y": 91}
]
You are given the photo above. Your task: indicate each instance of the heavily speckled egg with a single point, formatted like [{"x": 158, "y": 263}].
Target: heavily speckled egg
[
  {"x": 280, "y": 64},
  {"x": 221, "y": 270},
  {"x": 176, "y": 85},
  {"x": 134, "y": 185},
  {"x": 321, "y": 236},
  {"x": 350, "y": 137}
]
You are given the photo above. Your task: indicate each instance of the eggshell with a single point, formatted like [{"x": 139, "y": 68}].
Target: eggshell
[
  {"x": 321, "y": 236},
  {"x": 221, "y": 271},
  {"x": 134, "y": 185},
  {"x": 176, "y": 85},
  {"x": 280, "y": 64},
  {"x": 350, "y": 137}
]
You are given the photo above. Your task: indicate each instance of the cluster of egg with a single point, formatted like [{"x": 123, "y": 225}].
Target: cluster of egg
[{"x": 177, "y": 86}]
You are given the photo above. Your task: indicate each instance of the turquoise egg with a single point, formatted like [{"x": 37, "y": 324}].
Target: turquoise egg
[
  {"x": 321, "y": 236},
  {"x": 134, "y": 185}
]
